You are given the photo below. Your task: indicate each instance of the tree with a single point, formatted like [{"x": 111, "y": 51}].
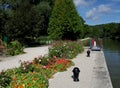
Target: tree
[
  {"x": 65, "y": 23},
  {"x": 3, "y": 20},
  {"x": 42, "y": 13},
  {"x": 28, "y": 20},
  {"x": 20, "y": 23},
  {"x": 110, "y": 30},
  {"x": 87, "y": 31}
]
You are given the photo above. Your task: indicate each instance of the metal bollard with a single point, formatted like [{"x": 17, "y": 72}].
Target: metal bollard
[
  {"x": 76, "y": 72},
  {"x": 88, "y": 53}
]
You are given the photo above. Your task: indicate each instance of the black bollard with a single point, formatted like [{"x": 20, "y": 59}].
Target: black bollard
[
  {"x": 88, "y": 53},
  {"x": 76, "y": 72}
]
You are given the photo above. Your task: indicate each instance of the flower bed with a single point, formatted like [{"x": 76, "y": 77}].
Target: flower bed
[
  {"x": 66, "y": 49},
  {"x": 35, "y": 74}
]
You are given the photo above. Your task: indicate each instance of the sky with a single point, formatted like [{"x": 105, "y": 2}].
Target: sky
[{"x": 96, "y": 12}]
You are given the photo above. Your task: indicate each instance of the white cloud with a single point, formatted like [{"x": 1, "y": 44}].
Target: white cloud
[
  {"x": 91, "y": 13},
  {"x": 79, "y": 2},
  {"x": 104, "y": 9},
  {"x": 95, "y": 18},
  {"x": 94, "y": 13},
  {"x": 83, "y": 2}
]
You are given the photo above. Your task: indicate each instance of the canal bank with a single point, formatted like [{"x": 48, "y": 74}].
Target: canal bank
[
  {"x": 111, "y": 51},
  {"x": 101, "y": 77},
  {"x": 93, "y": 73}
]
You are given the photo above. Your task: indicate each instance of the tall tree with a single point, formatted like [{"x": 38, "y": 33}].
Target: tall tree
[
  {"x": 20, "y": 23},
  {"x": 65, "y": 23},
  {"x": 87, "y": 31},
  {"x": 2, "y": 20},
  {"x": 29, "y": 20},
  {"x": 42, "y": 13}
]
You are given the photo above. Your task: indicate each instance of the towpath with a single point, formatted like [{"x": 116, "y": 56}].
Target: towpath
[{"x": 93, "y": 73}]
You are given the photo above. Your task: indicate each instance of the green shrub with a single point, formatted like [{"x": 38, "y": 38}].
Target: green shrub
[
  {"x": 44, "y": 40},
  {"x": 4, "y": 80},
  {"x": 43, "y": 60},
  {"x": 14, "y": 48},
  {"x": 26, "y": 67},
  {"x": 66, "y": 49}
]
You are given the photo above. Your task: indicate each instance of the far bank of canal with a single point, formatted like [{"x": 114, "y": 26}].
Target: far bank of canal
[{"x": 111, "y": 49}]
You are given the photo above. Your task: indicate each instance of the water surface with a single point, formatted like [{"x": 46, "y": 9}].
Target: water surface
[{"x": 111, "y": 50}]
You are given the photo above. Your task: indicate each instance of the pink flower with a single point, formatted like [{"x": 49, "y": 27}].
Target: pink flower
[
  {"x": 24, "y": 68},
  {"x": 44, "y": 67}
]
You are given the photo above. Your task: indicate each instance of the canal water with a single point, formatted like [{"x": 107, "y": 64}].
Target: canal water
[{"x": 111, "y": 49}]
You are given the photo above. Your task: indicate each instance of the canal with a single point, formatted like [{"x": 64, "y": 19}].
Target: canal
[{"x": 111, "y": 49}]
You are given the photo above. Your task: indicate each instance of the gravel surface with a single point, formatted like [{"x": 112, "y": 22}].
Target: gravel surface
[{"x": 14, "y": 61}]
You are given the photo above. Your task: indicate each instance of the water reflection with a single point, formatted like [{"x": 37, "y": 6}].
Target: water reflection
[{"x": 112, "y": 55}]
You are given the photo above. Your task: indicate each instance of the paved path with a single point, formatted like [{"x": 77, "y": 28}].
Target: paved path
[
  {"x": 94, "y": 73},
  {"x": 14, "y": 61}
]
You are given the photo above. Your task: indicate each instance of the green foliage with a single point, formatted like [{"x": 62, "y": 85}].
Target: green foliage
[
  {"x": 44, "y": 40},
  {"x": 41, "y": 17},
  {"x": 110, "y": 30},
  {"x": 3, "y": 20},
  {"x": 66, "y": 49},
  {"x": 26, "y": 67},
  {"x": 87, "y": 31},
  {"x": 29, "y": 80},
  {"x": 65, "y": 22},
  {"x": 4, "y": 80},
  {"x": 14, "y": 48},
  {"x": 38, "y": 76},
  {"x": 43, "y": 60},
  {"x": 26, "y": 18},
  {"x": 33, "y": 76},
  {"x": 20, "y": 23}
]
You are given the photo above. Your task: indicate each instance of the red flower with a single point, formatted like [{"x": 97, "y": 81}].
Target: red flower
[{"x": 28, "y": 84}]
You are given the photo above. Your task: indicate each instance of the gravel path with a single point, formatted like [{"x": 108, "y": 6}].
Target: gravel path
[{"x": 14, "y": 61}]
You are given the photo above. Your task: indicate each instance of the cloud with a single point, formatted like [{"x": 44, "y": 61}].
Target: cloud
[
  {"x": 94, "y": 13},
  {"x": 83, "y": 2},
  {"x": 95, "y": 18},
  {"x": 104, "y": 8},
  {"x": 91, "y": 13},
  {"x": 79, "y": 2}
]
